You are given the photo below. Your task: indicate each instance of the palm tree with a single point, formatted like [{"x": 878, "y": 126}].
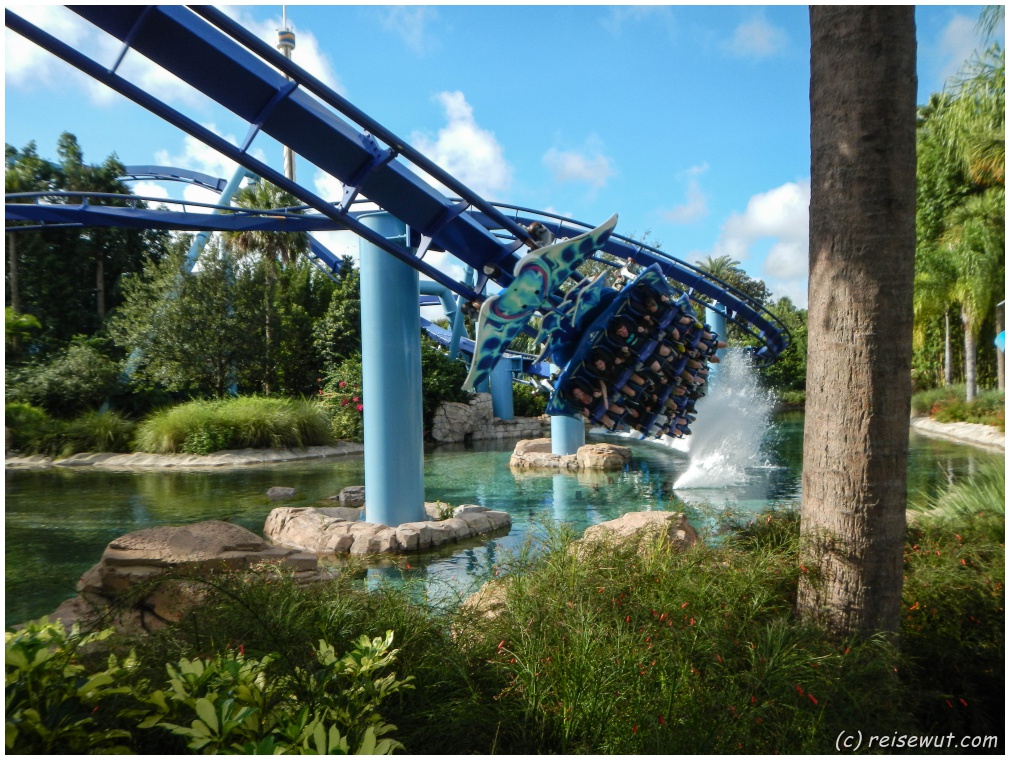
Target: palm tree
[
  {"x": 934, "y": 293},
  {"x": 862, "y": 248},
  {"x": 974, "y": 241},
  {"x": 724, "y": 267},
  {"x": 275, "y": 251}
]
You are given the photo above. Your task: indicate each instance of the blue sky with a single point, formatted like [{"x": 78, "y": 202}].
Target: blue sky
[{"x": 690, "y": 122}]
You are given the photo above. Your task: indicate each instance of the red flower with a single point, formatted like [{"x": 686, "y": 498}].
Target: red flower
[
  {"x": 634, "y": 729},
  {"x": 344, "y": 402},
  {"x": 812, "y": 698},
  {"x": 355, "y": 398},
  {"x": 360, "y": 408},
  {"x": 342, "y": 384},
  {"x": 661, "y": 721}
]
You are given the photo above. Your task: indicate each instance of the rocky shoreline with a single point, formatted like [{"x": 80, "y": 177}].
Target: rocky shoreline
[{"x": 962, "y": 432}]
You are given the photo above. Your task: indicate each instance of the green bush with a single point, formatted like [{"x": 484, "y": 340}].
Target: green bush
[
  {"x": 77, "y": 379},
  {"x": 52, "y": 698},
  {"x": 342, "y": 397},
  {"x": 200, "y": 427},
  {"x": 35, "y": 432},
  {"x": 442, "y": 379},
  {"x": 948, "y": 405},
  {"x": 526, "y": 401}
]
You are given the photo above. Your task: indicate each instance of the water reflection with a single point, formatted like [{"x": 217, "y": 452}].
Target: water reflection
[{"x": 59, "y": 521}]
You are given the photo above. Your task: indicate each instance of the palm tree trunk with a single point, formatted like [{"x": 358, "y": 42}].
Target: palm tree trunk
[
  {"x": 970, "y": 359},
  {"x": 862, "y": 250},
  {"x": 948, "y": 352},
  {"x": 100, "y": 286},
  {"x": 1000, "y": 356}
]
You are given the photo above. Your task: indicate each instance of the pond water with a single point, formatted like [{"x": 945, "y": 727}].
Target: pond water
[{"x": 58, "y": 521}]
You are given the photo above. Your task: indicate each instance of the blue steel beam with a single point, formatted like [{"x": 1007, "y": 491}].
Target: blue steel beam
[
  {"x": 111, "y": 79},
  {"x": 178, "y": 40},
  {"x": 233, "y": 76}
]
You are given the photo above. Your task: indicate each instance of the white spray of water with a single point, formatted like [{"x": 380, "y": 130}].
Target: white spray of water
[{"x": 732, "y": 420}]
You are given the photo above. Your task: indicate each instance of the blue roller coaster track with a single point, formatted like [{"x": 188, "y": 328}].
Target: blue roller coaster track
[{"x": 276, "y": 97}]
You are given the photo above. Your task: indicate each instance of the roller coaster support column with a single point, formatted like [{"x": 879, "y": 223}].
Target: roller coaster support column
[
  {"x": 567, "y": 434},
  {"x": 715, "y": 316},
  {"x": 501, "y": 389},
  {"x": 391, "y": 380},
  {"x": 196, "y": 248}
]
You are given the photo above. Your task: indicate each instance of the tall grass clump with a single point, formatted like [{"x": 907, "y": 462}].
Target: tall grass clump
[
  {"x": 953, "y": 627},
  {"x": 200, "y": 427},
  {"x": 35, "y": 432},
  {"x": 612, "y": 649}
]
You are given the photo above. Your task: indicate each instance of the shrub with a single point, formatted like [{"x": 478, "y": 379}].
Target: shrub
[
  {"x": 526, "y": 401},
  {"x": 99, "y": 431},
  {"x": 948, "y": 405},
  {"x": 442, "y": 379},
  {"x": 52, "y": 698},
  {"x": 342, "y": 397},
  {"x": 79, "y": 378},
  {"x": 200, "y": 427}
]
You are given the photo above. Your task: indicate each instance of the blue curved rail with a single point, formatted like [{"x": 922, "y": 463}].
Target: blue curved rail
[{"x": 278, "y": 98}]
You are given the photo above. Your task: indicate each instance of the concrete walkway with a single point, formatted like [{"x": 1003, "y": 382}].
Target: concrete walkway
[{"x": 962, "y": 432}]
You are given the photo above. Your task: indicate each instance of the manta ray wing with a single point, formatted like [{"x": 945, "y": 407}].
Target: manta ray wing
[{"x": 537, "y": 275}]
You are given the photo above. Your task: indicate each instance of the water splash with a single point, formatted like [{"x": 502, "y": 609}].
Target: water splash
[{"x": 732, "y": 421}]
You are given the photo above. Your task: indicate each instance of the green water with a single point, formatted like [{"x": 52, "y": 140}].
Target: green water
[{"x": 58, "y": 521}]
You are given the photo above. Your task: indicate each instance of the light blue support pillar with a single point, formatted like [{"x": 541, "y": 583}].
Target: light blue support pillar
[
  {"x": 501, "y": 389},
  {"x": 391, "y": 380},
  {"x": 567, "y": 434},
  {"x": 201, "y": 238},
  {"x": 715, "y": 316}
]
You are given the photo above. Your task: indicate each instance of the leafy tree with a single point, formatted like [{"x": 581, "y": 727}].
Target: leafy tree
[
  {"x": 960, "y": 211},
  {"x": 337, "y": 334},
  {"x": 789, "y": 371},
  {"x": 274, "y": 251},
  {"x": 74, "y": 379},
  {"x": 190, "y": 332}
]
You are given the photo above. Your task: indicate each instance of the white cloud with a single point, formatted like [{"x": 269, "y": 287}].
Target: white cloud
[
  {"x": 623, "y": 16},
  {"x": 149, "y": 189},
  {"x": 696, "y": 205},
  {"x": 468, "y": 152},
  {"x": 780, "y": 215},
  {"x": 588, "y": 165},
  {"x": 307, "y": 52},
  {"x": 756, "y": 39},
  {"x": 409, "y": 23},
  {"x": 957, "y": 44},
  {"x": 29, "y": 66}
]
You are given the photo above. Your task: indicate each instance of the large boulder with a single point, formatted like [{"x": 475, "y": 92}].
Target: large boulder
[
  {"x": 193, "y": 550},
  {"x": 352, "y": 496},
  {"x": 638, "y": 527},
  {"x": 603, "y": 456},
  {"x": 535, "y": 454},
  {"x": 329, "y": 531}
]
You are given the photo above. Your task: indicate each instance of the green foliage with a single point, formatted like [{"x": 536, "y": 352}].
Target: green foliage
[
  {"x": 789, "y": 372},
  {"x": 442, "y": 379},
  {"x": 526, "y": 401},
  {"x": 948, "y": 405},
  {"x": 70, "y": 277},
  {"x": 231, "y": 704},
  {"x": 341, "y": 395},
  {"x": 200, "y": 427},
  {"x": 337, "y": 334},
  {"x": 52, "y": 698},
  {"x": 35, "y": 432},
  {"x": 75, "y": 379},
  {"x": 17, "y": 327}
]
